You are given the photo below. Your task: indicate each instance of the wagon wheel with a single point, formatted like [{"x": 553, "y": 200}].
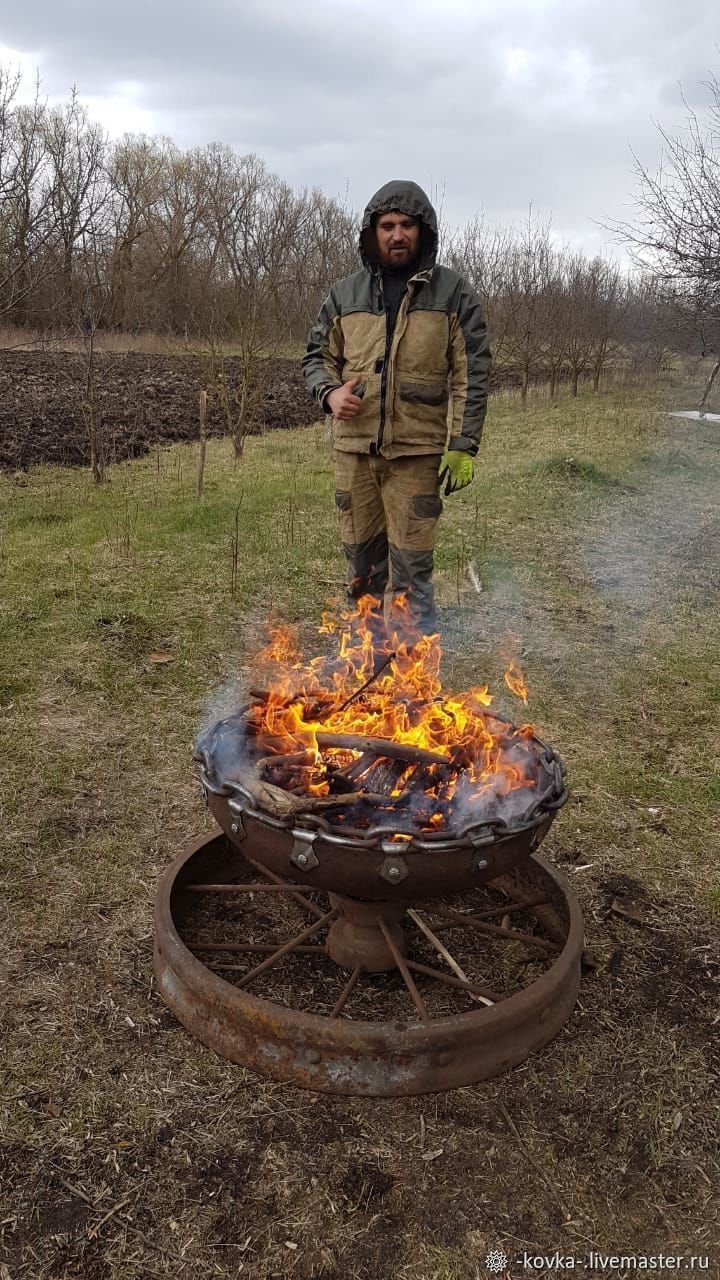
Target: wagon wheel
[{"x": 365, "y": 998}]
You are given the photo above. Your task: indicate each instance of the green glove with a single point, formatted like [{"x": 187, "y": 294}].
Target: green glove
[{"x": 456, "y": 468}]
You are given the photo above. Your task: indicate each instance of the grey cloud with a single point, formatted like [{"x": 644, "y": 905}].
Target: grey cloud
[{"x": 500, "y": 106}]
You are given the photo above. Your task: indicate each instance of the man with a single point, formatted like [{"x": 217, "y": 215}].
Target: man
[{"x": 392, "y": 347}]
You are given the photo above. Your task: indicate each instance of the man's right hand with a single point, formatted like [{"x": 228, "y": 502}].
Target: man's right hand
[{"x": 342, "y": 403}]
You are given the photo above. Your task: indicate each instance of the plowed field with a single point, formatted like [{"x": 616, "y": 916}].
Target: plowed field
[{"x": 141, "y": 400}]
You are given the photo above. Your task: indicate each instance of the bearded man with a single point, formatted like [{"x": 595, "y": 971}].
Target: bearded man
[{"x": 399, "y": 357}]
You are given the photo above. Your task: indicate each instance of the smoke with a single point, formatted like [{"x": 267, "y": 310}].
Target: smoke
[
  {"x": 221, "y": 703},
  {"x": 658, "y": 545}
]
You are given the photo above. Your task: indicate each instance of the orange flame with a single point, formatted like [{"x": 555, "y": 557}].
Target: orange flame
[
  {"x": 515, "y": 680},
  {"x": 403, "y": 703}
]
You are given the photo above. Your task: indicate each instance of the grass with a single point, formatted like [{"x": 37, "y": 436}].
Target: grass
[{"x": 593, "y": 527}]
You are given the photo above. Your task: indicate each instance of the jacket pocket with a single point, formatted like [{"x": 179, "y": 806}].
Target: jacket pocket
[
  {"x": 431, "y": 393},
  {"x": 363, "y": 428}
]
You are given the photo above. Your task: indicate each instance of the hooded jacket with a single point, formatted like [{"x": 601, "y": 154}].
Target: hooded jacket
[{"x": 426, "y": 377}]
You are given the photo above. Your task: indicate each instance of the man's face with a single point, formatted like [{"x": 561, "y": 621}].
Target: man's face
[{"x": 398, "y": 238}]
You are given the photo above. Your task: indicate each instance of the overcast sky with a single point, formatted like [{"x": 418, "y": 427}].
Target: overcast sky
[{"x": 495, "y": 104}]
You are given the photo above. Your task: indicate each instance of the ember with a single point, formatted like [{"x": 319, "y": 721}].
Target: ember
[{"x": 377, "y": 744}]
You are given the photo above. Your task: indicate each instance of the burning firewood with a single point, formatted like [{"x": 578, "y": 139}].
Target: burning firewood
[
  {"x": 330, "y": 733},
  {"x": 280, "y": 803},
  {"x": 379, "y": 747}
]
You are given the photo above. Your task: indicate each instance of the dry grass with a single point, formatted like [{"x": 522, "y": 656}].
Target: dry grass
[
  {"x": 130, "y": 1151},
  {"x": 117, "y": 343}
]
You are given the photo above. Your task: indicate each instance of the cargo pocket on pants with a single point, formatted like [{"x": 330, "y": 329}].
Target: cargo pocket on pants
[
  {"x": 428, "y": 506},
  {"x": 424, "y": 513},
  {"x": 343, "y": 502}
]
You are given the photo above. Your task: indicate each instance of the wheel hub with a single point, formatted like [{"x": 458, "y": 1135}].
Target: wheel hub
[{"x": 367, "y": 934}]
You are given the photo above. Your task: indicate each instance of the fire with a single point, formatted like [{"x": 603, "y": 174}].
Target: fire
[
  {"x": 515, "y": 681},
  {"x": 478, "y": 759}
]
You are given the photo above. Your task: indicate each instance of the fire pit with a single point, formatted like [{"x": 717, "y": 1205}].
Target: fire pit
[{"x": 352, "y": 794}]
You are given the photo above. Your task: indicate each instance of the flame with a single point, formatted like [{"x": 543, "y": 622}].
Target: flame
[
  {"x": 487, "y": 759},
  {"x": 515, "y": 680}
]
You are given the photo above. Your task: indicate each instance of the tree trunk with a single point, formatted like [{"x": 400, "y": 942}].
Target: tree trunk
[
  {"x": 553, "y": 383},
  {"x": 709, "y": 385},
  {"x": 575, "y": 375},
  {"x": 524, "y": 387}
]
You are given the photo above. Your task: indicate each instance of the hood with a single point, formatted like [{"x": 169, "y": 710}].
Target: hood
[{"x": 406, "y": 197}]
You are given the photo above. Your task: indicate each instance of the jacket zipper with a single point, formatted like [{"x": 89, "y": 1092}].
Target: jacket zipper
[
  {"x": 405, "y": 302},
  {"x": 383, "y": 375}
]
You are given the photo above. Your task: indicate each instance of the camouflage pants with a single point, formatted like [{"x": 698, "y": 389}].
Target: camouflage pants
[{"x": 388, "y": 511}]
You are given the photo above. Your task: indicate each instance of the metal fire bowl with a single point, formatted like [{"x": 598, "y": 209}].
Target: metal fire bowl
[
  {"x": 342, "y": 1055},
  {"x": 379, "y": 870}
]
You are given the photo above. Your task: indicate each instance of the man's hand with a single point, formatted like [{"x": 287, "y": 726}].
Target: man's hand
[
  {"x": 342, "y": 403},
  {"x": 456, "y": 469}
]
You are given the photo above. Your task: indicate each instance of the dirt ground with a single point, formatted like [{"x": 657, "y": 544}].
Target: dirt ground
[
  {"x": 148, "y": 1156},
  {"x": 142, "y": 400}
]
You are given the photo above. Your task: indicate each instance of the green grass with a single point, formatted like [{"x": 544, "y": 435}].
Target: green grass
[
  {"x": 565, "y": 470},
  {"x": 592, "y": 524}
]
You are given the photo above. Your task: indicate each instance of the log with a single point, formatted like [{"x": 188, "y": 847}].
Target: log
[
  {"x": 384, "y": 775},
  {"x": 378, "y": 746},
  {"x": 357, "y": 767},
  {"x": 281, "y": 804},
  {"x": 307, "y": 695},
  {"x": 292, "y": 758}
]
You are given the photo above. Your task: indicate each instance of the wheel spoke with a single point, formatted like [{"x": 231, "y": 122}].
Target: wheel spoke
[
  {"x": 488, "y": 996},
  {"x": 294, "y": 893},
  {"x": 443, "y": 951},
  {"x": 346, "y": 992},
  {"x": 490, "y": 914},
  {"x": 280, "y": 887},
  {"x": 510, "y": 907},
  {"x": 494, "y": 931},
  {"x": 288, "y": 946},
  {"x": 407, "y": 978},
  {"x": 250, "y": 947}
]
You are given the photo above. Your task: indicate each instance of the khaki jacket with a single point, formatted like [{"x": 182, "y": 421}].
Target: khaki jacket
[{"x": 431, "y": 380}]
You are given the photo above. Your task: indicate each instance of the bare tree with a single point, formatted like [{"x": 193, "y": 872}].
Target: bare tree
[
  {"x": 554, "y": 318},
  {"x": 483, "y": 254},
  {"x": 529, "y": 272},
  {"x": 676, "y": 233},
  {"x": 75, "y": 155},
  {"x": 606, "y": 301},
  {"x": 136, "y": 170},
  {"x": 27, "y": 216}
]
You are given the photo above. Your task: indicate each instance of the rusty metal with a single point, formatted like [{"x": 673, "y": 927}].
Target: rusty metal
[
  {"x": 356, "y": 938},
  {"x": 431, "y": 972},
  {"x": 293, "y": 893},
  {"x": 279, "y": 887},
  {"x": 510, "y": 935},
  {"x": 251, "y": 946},
  {"x": 346, "y": 992},
  {"x": 399, "y": 959},
  {"x": 433, "y": 868},
  {"x": 352, "y": 1053},
  {"x": 287, "y": 947}
]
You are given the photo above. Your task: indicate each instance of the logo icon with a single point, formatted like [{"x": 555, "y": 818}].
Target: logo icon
[{"x": 496, "y": 1261}]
